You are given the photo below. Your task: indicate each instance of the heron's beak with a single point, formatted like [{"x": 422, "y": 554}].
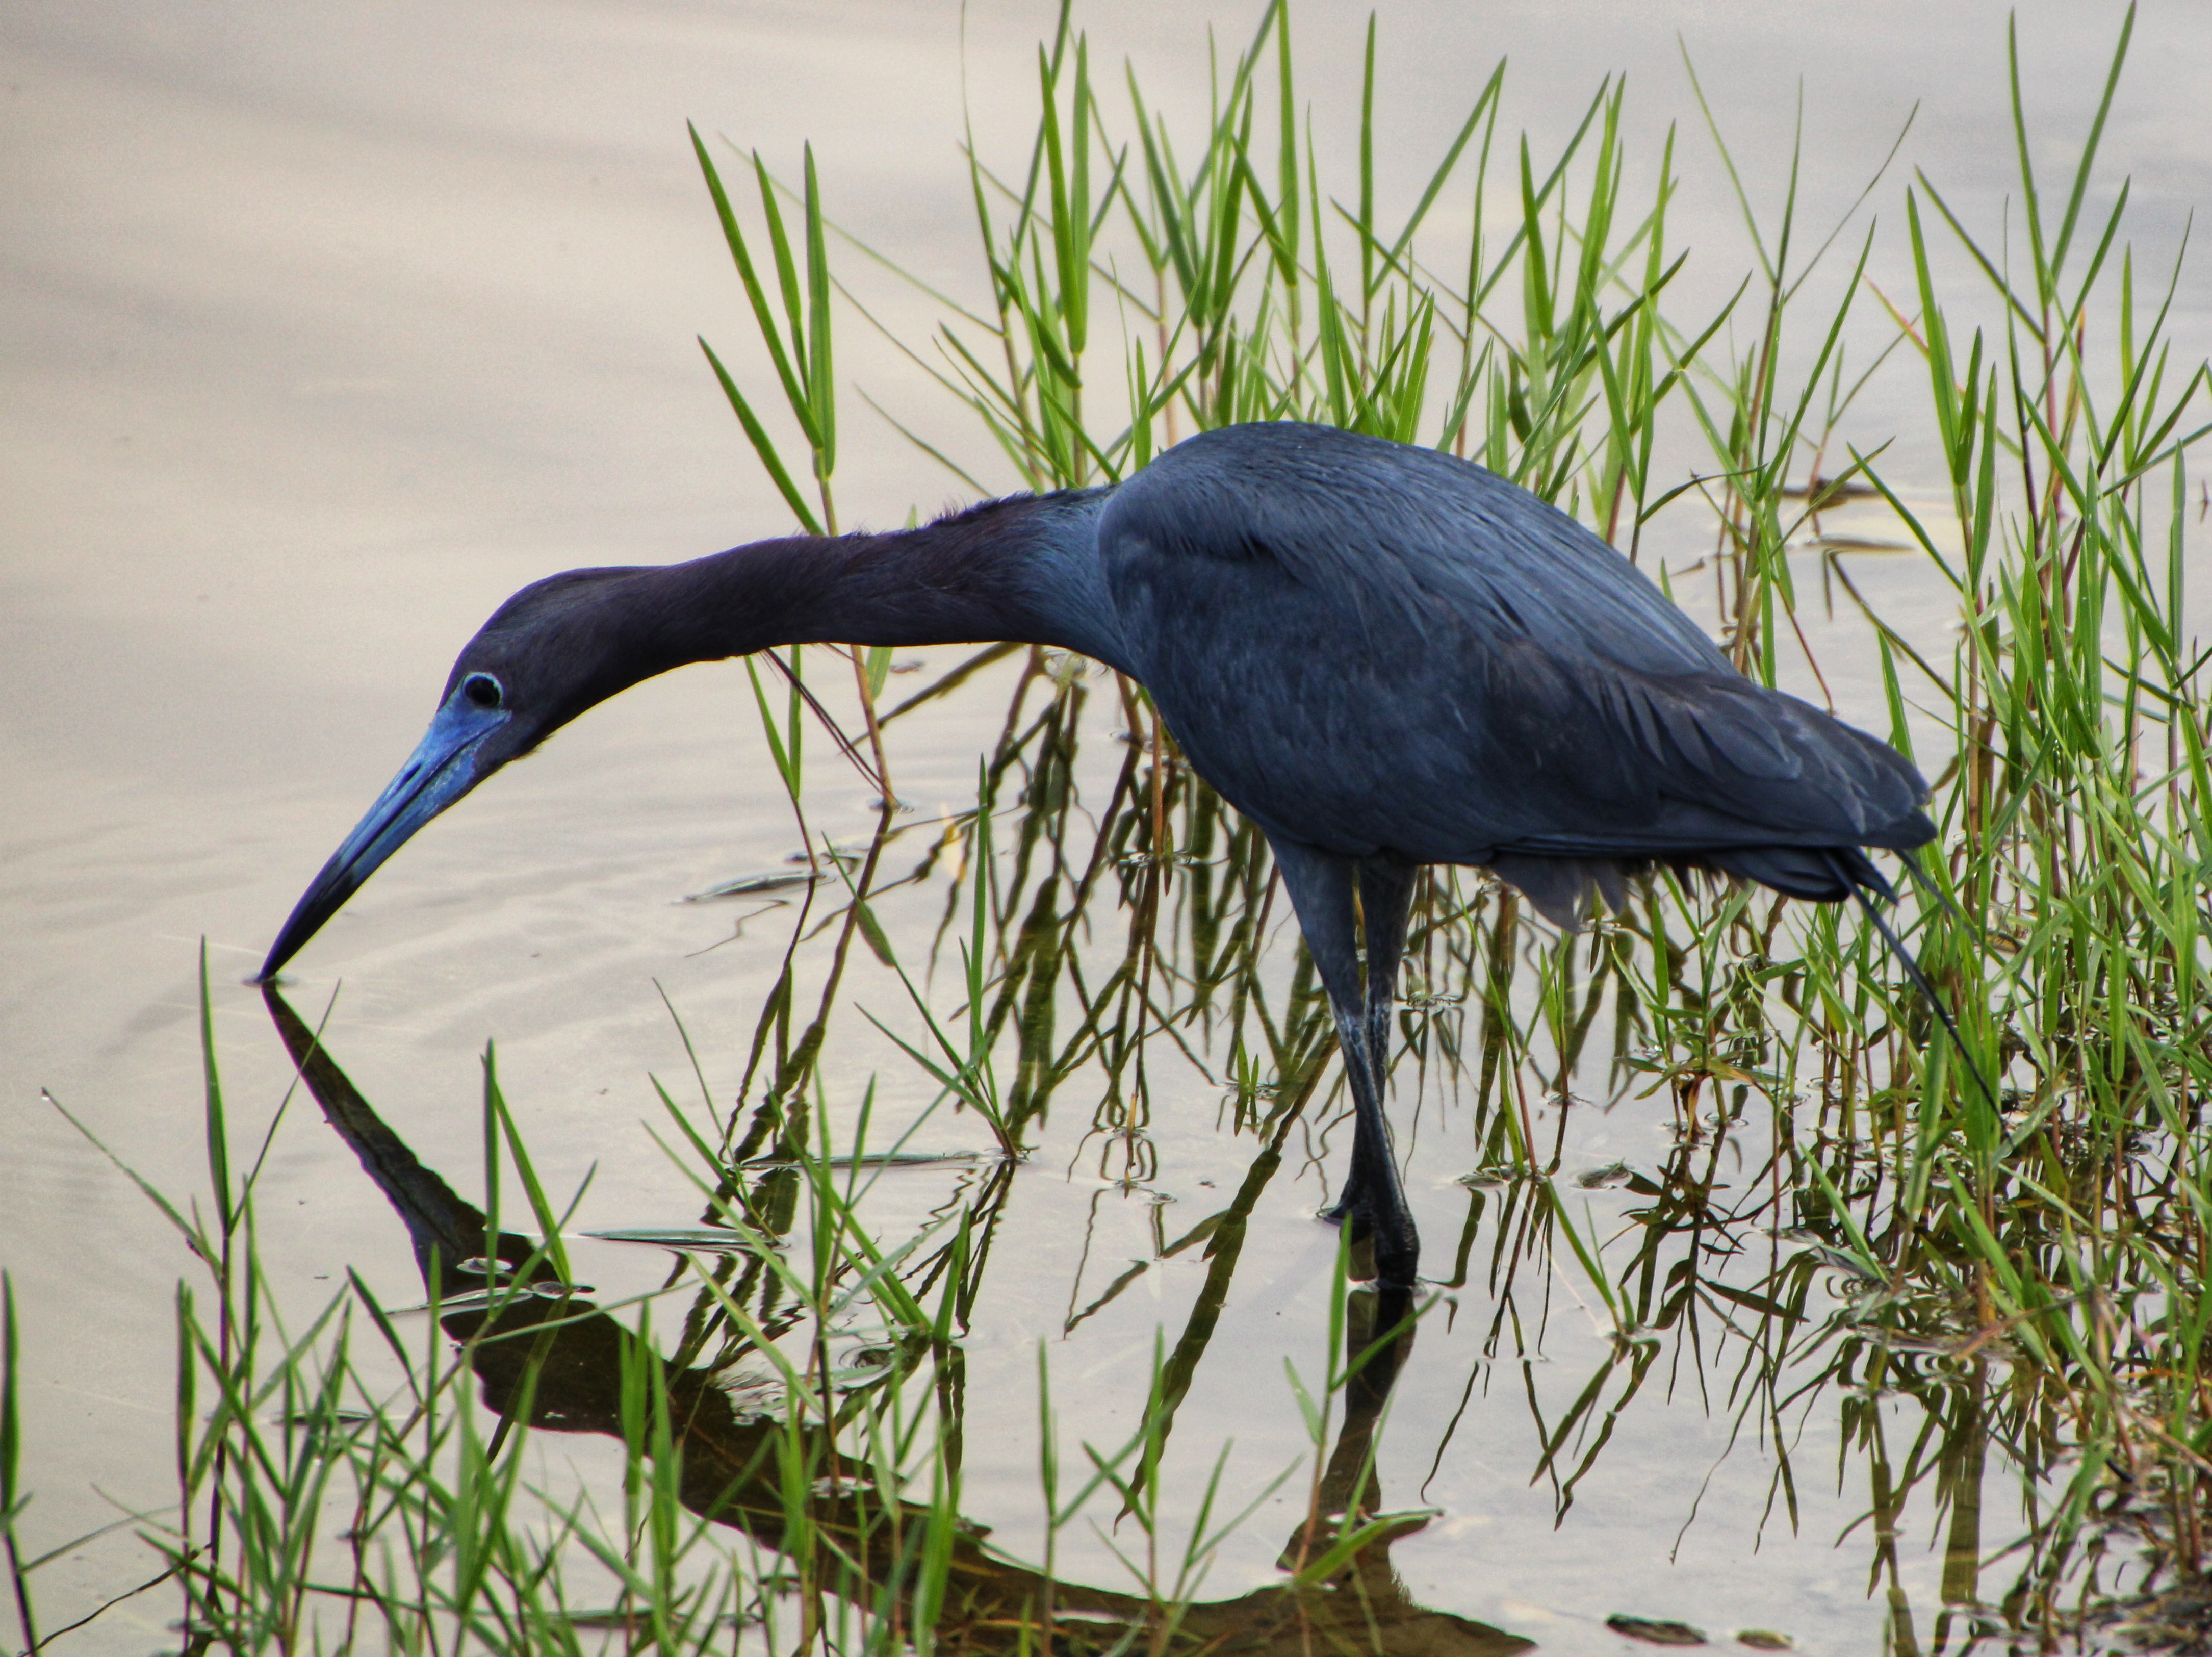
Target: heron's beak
[{"x": 443, "y": 767}]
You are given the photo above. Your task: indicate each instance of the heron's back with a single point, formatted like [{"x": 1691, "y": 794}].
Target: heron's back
[{"x": 1371, "y": 646}]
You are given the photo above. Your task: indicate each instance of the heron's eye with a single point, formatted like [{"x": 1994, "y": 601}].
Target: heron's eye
[{"x": 482, "y": 689}]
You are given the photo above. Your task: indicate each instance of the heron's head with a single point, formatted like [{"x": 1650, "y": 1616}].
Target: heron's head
[{"x": 556, "y": 648}]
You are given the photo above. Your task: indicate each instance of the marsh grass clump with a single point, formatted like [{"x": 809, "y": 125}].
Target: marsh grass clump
[{"x": 1982, "y": 1255}]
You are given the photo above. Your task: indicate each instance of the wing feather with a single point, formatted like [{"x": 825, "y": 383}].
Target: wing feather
[{"x": 1369, "y": 647}]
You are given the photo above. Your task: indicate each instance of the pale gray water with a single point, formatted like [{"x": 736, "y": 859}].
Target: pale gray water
[{"x": 325, "y": 329}]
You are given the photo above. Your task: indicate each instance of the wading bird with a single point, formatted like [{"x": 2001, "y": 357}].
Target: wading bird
[{"x": 1382, "y": 655}]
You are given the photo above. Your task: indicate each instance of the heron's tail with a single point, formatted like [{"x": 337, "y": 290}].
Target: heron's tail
[{"x": 1821, "y": 874}]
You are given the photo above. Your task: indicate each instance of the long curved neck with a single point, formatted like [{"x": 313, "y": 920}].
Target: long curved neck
[{"x": 1024, "y": 568}]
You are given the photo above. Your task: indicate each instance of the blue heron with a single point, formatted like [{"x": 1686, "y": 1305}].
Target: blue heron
[{"x": 1382, "y": 655}]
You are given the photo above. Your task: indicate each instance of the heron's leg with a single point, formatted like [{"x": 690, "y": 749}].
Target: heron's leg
[
  {"x": 1321, "y": 886},
  {"x": 1386, "y": 898}
]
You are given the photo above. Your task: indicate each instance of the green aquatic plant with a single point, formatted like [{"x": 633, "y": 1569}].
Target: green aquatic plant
[{"x": 2062, "y": 924}]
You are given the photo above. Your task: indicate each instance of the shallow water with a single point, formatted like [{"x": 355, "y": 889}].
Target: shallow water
[{"x": 326, "y": 331}]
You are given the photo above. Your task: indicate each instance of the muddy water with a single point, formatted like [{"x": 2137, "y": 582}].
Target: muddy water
[{"x": 324, "y": 330}]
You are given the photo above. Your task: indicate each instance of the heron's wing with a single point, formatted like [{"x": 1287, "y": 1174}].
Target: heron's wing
[{"x": 1369, "y": 646}]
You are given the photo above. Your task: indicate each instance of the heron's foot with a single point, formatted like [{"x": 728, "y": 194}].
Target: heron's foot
[
  {"x": 1397, "y": 1262},
  {"x": 1386, "y": 1250}
]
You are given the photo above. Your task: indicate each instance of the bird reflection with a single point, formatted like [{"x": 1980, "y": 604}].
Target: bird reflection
[{"x": 570, "y": 1377}]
